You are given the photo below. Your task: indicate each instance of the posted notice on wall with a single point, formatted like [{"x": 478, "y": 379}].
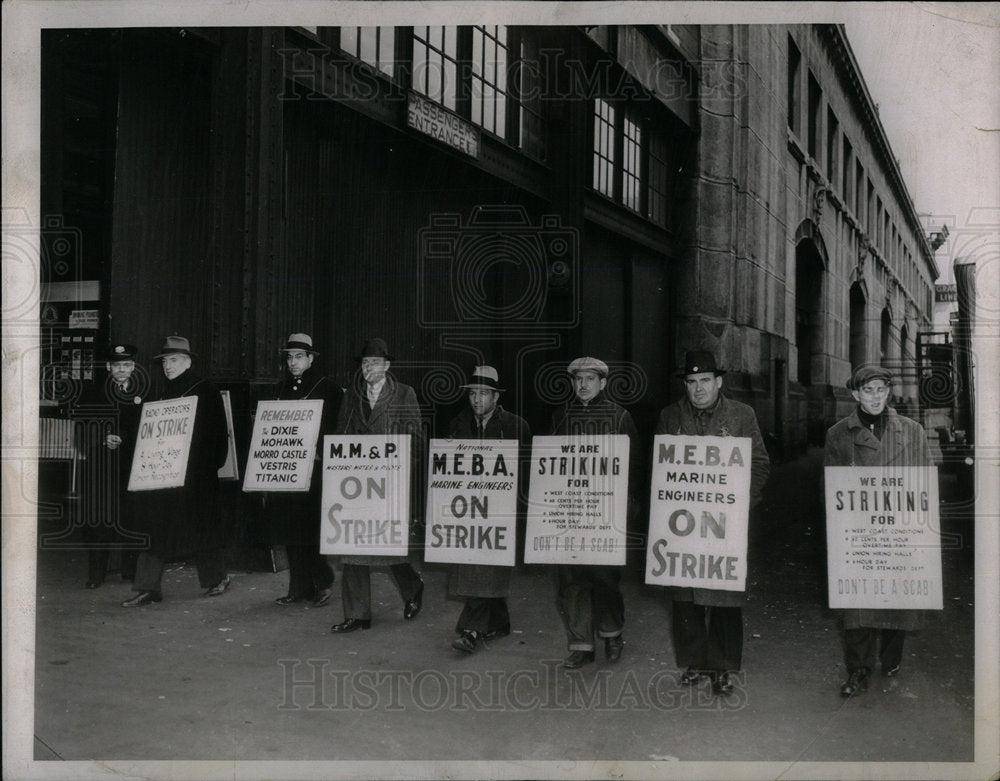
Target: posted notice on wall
[
  {"x": 163, "y": 445},
  {"x": 578, "y": 500},
  {"x": 366, "y": 495},
  {"x": 883, "y": 537},
  {"x": 472, "y": 502},
  {"x": 283, "y": 445},
  {"x": 699, "y": 507}
]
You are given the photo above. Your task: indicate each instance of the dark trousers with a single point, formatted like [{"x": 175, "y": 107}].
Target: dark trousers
[
  {"x": 484, "y": 614},
  {"x": 590, "y": 601},
  {"x": 97, "y": 564},
  {"x": 356, "y": 587},
  {"x": 859, "y": 648},
  {"x": 149, "y": 570},
  {"x": 715, "y": 646},
  {"x": 308, "y": 571}
]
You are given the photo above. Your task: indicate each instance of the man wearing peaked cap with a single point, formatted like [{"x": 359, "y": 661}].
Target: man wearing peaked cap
[
  {"x": 187, "y": 520},
  {"x": 109, "y": 460},
  {"x": 376, "y": 403},
  {"x": 874, "y": 434},
  {"x": 589, "y": 597},
  {"x": 707, "y": 624},
  {"x": 292, "y": 519},
  {"x": 485, "y": 588}
]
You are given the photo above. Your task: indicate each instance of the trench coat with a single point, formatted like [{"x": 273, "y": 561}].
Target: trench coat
[
  {"x": 395, "y": 412},
  {"x": 293, "y": 518},
  {"x": 186, "y": 520},
  {"x": 728, "y": 419},
  {"x": 483, "y": 580},
  {"x": 850, "y": 443}
]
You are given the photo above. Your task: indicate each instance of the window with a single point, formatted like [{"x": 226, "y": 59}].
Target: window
[
  {"x": 794, "y": 89},
  {"x": 815, "y": 117},
  {"x": 631, "y": 164},
  {"x": 656, "y": 199},
  {"x": 859, "y": 192},
  {"x": 374, "y": 45},
  {"x": 831, "y": 146},
  {"x": 489, "y": 79},
  {"x": 435, "y": 64},
  {"x": 604, "y": 147},
  {"x": 846, "y": 164},
  {"x": 871, "y": 226},
  {"x": 527, "y": 95}
]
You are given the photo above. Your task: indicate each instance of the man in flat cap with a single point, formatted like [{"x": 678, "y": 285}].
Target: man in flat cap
[
  {"x": 874, "y": 434},
  {"x": 376, "y": 403},
  {"x": 485, "y": 588},
  {"x": 707, "y": 624},
  {"x": 293, "y": 519},
  {"x": 589, "y": 596},
  {"x": 186, "y": 520},
  {"x": 109, "y": 460}
]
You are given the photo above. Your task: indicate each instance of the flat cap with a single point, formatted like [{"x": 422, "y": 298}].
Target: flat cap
[
  {"x": 588, "y": 364},
  {"x": 865, "y": 374}
]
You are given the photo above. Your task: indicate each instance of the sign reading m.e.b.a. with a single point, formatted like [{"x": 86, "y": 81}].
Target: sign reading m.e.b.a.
[
  {"x": 366, "y": 495},
  {"x": 699, "y": 505}
]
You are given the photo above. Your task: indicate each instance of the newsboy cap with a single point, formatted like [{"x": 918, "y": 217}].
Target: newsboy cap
[
  {"x": 299, "y": 342},
  {"x": 121, "y": 352},
  {"x": 485, "y": 378},
  {"x": 700, "y": 362},
  {"x": 375, "y": 348},
  {"x": 174, "y": 345},
  {"x": 865, "y": 374},
  {"x": 588, "y": 364}
]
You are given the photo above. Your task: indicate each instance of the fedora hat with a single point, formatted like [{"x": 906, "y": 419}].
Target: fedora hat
[
  {"x": 375, "y": 348},
  {"x": 485, "y": 378},
  {"x": 700, "y": 362},
  {"x": 299, "y": 342},
  {"x": 174, "y": 345}
]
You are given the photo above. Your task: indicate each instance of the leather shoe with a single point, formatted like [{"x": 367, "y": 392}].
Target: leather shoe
[
  {"x": 613, "y": 648},
  {"x": 496, "y": 634},
  {"x": 467, "y": 641},
  {"x": 690, "y": 676},
  {"x": 93, "y": 584},
  {"x": 856, "y": 681},
  {"x": 350, "y": 625},
  {"x": 722, "y": 683},
  {"x": 219, "y": 588},
  {"x": 578, "y": 659},
  {"x": 892, "y": 672},
  {"x": 412, "y": 606},
  {"x": 143, "y": 598},
  {"x": 288, "y": 599},
  {"x": 322, "y": 597}
]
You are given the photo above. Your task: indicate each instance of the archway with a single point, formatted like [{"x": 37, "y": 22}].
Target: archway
[{"x": 809, "y": 268}]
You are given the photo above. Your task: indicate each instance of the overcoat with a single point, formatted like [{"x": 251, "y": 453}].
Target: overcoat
[
  {"x": 293, "y": 518},
  {"x": 481, "y": 580},
  {"x": 850, "y": 443},
  {"x": 395, "y": 412},
  {"x": 186, "y": 520},
  {"x": 729, "y": 418}
]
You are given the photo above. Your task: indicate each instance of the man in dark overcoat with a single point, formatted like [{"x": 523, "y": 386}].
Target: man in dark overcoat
[
  {"x": 707, "y": 624},
  {"x": 376, "y": 403},
  {"x": 589, "y": 597},
  {"x": 293, "y": 519},
  {"x": 485, "y": 588},
  {"x": 186, "y": 520},
  {"x": 874, "y": 434},
  {"x": 118, "y": 401}
]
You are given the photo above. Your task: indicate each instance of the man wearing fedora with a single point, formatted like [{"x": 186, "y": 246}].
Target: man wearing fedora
[
  {"x": 484, "y": 587},
  {"x": 293, "y": 519},
  {"x": 186, "y": 520},
  {"x": 874, "y": 434},
  {"x": 715, "y": 648},
  {"x": 589, "y": 597},
  {"x": 376, "y": 403},
  {"x": 119, "y": 399}
]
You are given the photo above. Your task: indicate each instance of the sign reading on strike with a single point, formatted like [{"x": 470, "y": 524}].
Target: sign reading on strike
[
  {"x": 283, "y": 445},
  {"x": 472, "y": 501},
  {"x": 366, "y": 495},
  {"x": 699, "y": 507},
  {"x": 163, "y": 445},
  {"x": 578, "y": 500},
  {"x": 883, "y": 537}
]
